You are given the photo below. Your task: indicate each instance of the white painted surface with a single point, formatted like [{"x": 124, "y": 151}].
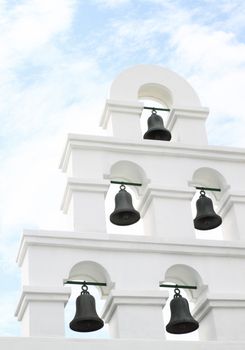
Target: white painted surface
[
  {"x": 133, "y": 266},
  {"x": 113, "y": 344}
]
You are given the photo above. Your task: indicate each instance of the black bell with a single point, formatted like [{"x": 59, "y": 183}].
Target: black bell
[
  {"x": 206, "y": 218},
  {"x": 156, "y": 129},
  {"x": 181, "y": 320},
  {"x": 86, "y": 318},
  {"x": 124, "y": 213}
]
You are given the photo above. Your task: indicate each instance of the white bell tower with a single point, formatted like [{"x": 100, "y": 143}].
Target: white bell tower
[{"x": 168, "y": 250}]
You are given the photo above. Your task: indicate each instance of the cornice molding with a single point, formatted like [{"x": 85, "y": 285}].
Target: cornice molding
[
  {"x": 81, "y": 185},
  {"x": 40, "y": 293},
  {"x": 154, "y": 191},
  {"x": 129, "y": 243},
  {"x": 51, "y": 343},
  {"x": 176, "y": 113},
  {"x": 150, "y": 147},
  {"x": 129, "y": 297},
  {"x": 214, "y": 301},
  {"x": 122, "y": 107},
  {"x": 228, "y": 200}
]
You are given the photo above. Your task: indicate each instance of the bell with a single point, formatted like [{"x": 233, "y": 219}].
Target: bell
[
  {"x": 206, "y": 218},
  {"x": 124, "y": 213},
  {"x": 181, "y": 320},
  {"x": 156, "y": 129},
  {"x": 86, "y": 318}
]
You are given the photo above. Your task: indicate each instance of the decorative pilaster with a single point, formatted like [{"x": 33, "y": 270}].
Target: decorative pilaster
[
  {"x": 86, "y": 200},
  {"x": 187, "y": 125},
  {"x": 41, "y": 311},
  {"x": 135, "y": 314},
  {"x": 167, "y": 213},
  {"x": 124, "y": 117},
  {"x": 232, "y": 209},
  {"x": 221, "y": 317}
]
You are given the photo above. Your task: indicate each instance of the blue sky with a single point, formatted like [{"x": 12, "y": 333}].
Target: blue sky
[{"x": 57, "y": 60}]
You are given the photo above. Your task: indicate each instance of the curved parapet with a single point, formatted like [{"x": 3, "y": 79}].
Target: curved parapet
[
  {"x": 124, "y": 107},
  {"x": 157, "y": 83}
]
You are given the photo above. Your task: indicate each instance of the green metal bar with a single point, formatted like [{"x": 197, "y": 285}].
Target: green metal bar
[
  {"x": 177, "y": 286},
  {"x": 158, "y": 109},
  {"x": 208, "y": 189},
  {"x": 126, "y": 183},
  {"x": 87, "y": 283}
]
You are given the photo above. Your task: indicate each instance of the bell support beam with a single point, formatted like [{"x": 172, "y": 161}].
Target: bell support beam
[
  {"x": 158, "y": 109},
  {"x": 135, "y": 313},
  {"x": 85, "y": 283},
  {"x": 125, "y": 183},
  {"x": 208, "y": 189},
  {"x": 177, "y": 286}
]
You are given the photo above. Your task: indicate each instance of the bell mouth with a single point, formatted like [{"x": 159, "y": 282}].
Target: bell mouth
[
  {"x": 124, "y": 217},
  {"x": 207, "y": 222},
  {"x": 182, "y": 327},
  {"x": 86, "y": 325},
  {"x": 158, "y": 134}
]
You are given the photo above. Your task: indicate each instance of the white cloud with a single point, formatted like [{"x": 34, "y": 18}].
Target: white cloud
[
  {"x": 214, "y": 62},
  {"x": 29, "y": 25},
  {"x": 67, "y": 87},
  {"x": 212, "y": 59},
  {"x": 111, "y": 3}
]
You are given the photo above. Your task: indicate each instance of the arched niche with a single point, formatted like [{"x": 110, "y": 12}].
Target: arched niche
[
  {"x": 130, "y": 172},
  {"x": 91, "y": 271},
  {"x": 124, "y": 107},
  {"x": 185, "y": 275},
  {"x": 157, "y": 93},
  {"x": 155, "y": 82},
  {"x": 127, "y": 171},
  {"x": 210, "y": 178}
]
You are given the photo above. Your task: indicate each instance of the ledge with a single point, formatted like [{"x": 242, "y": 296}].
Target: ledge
[
  {"x": 228, "y": 200},
  {"x": 214, "y": 301},
  {"x": 133, "y": 298},
  {"x": 39, "y": 293},
  {"x": 130, "y": 243},
  {"x": 19, "y": 343},
  {"x": 119, "y": 106},
  {"x": 163, "y": 192},
  {"x": 81, "y": 185},
  {"x": 200, "y": 113},
  {"x": 149, "y": 147}
]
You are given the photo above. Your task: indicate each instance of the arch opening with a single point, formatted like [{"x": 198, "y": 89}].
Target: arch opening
[
  {"x": 89, "y": 271},
  {"x": 157, "y": 93},
  {"x": 209, "y": 178},
  {"x": 155, "y": 103},
  {"x": 125, "y": 171},
  {"x": 182, "y": 275}
]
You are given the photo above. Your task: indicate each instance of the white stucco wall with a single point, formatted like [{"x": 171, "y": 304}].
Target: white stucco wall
[{"x": 133, "y": 266}]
